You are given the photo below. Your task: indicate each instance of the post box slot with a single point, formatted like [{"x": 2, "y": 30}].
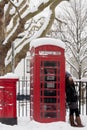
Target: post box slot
[{"x": 1, "y": 87}]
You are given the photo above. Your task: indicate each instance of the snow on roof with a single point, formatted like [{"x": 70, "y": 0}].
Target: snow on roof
[
  {"x": 9, "y": 76},
  {"x": 47, "y": 41}
]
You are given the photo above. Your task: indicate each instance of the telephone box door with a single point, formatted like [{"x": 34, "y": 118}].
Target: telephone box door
[{"x": 51, "y": 89}]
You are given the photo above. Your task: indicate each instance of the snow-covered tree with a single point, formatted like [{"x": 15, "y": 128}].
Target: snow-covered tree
[
  {"x": 73, "y": 31},
  {"x": 20, "y": 22}
]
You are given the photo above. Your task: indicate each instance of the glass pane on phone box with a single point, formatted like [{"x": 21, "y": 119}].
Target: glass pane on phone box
[
  {"x": 50, "y": 78},
  {"x": 49, "y": 71},
  {"x": 49, "y": 107},
  {"x": 50, "y": 114},
  {"x": 49, "y": 100},
  {"x": 50, "y": 63},
  {"x": 50, "y": 85},
  {"x": 49, "y": 93}
]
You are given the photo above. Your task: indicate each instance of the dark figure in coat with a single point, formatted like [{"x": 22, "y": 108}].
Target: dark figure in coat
[{"x": 72, "y": 101}]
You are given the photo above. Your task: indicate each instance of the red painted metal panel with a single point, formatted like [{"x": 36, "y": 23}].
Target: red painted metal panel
[{"x": 8, "y": 98}]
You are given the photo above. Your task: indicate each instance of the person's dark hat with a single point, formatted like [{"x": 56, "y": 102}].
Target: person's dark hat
[{"x": 68, "y": 74}]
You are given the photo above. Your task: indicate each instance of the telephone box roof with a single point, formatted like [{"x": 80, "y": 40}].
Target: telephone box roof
[{"x": 47, "y": 41}]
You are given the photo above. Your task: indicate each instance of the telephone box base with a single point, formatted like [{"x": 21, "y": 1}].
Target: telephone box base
[{"x": 8, "y": 121}]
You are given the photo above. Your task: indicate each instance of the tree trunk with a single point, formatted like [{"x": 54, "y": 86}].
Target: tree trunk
[{"x": 2, "y": 60}]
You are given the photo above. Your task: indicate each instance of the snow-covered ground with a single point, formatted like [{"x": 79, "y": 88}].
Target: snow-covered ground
[{"x": 24, "y": 123}]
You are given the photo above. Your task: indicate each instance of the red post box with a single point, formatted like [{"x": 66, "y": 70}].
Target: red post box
[
  {"x": 8, "y": 100},
  {"x": 47, "y": 80}
]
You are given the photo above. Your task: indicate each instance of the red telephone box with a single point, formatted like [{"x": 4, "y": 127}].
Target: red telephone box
[
  {"x": 8, "y": 100},
  {"x": 47, "y": 80}
]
